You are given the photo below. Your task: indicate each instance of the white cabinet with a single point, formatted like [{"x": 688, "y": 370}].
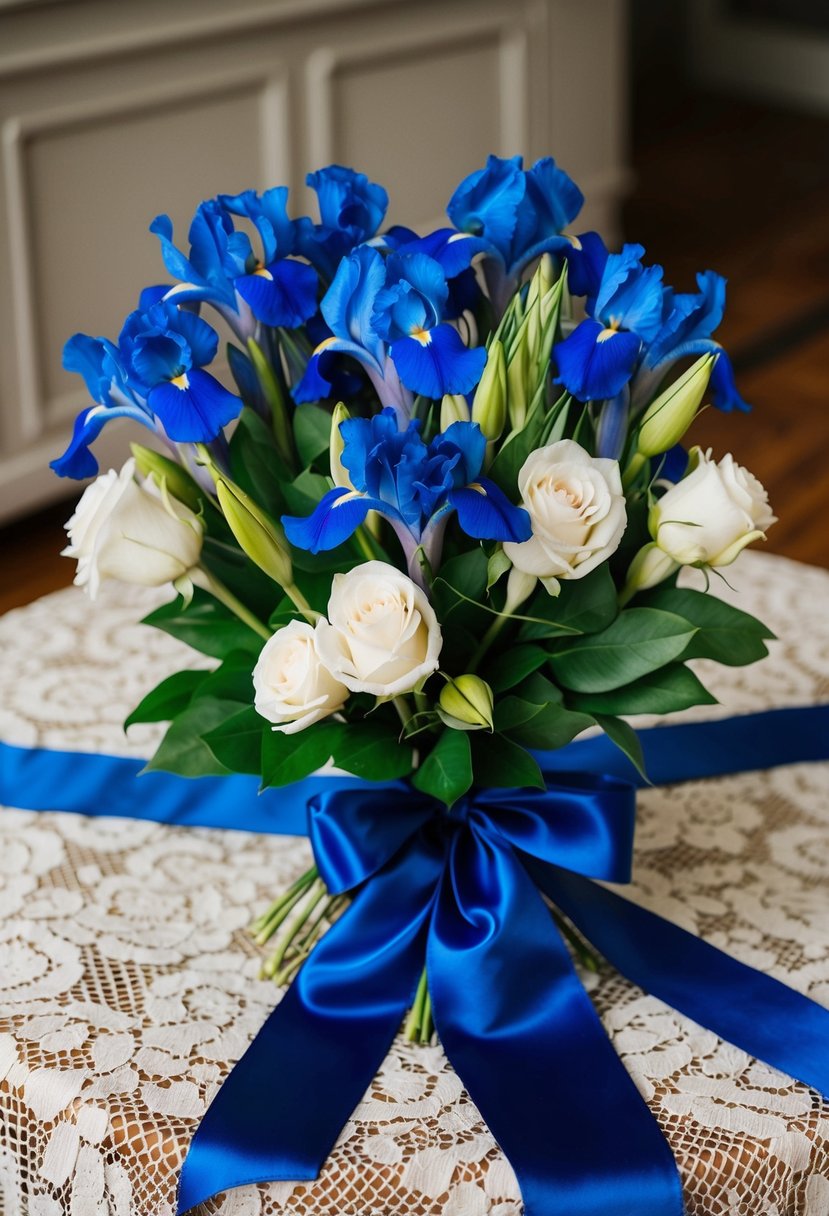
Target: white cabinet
[{"x": 111, "y": 113}]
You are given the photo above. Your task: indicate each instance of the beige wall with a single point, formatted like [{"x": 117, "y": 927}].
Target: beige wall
[{"x": 114, "y": 110}]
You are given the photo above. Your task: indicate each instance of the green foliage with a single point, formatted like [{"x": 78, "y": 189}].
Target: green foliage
[
  {"x": 497, "y": 761},
  {"x": 511, "y": 666},
  {"x": 373, "y": 752},
  {"x": 585, "y": 605},
  {"x": 255, "y": 463},
  {"x": 625, "y": 738},
  {"x": 664, "y": 691},
  {"x": 446, "y": 773},
  {"x": 206, "y": 625},
  {"x": 237, "y": 742},
  {"x": 725, "y": 634},
  {"x": 639, "y": 641},
  {"x": 183, "y": 749},
  {"x": 287, "y": 758},
  {"x": 168, "y": 698},
  {"x": 312, "y": 431}
]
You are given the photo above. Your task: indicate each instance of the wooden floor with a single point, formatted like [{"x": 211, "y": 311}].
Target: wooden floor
[{"x": 722, "y": 185}]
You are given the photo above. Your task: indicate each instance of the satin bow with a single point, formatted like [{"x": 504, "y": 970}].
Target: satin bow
[{"x": 511, "y": 1013}]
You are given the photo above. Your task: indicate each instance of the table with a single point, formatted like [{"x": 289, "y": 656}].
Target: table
[{"x": 128, "y": 984}]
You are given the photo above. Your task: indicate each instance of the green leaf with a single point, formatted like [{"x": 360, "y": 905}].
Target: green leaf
[
  {"x": 497, "y": 566},
  {"x": 312, "y": 431},
  {"x": 639, "y": 641},
  {"x": 255, "y": 463},
  {"x": 303, "y": 494},
  {"x": 726, "y": 634},
  {"x": 466, "y": 573},
  {"x": 498, "y": 761},
  {"x": 287, "y": 758},
  {"x": 446, "y": 773},
  {"x": 183, "y": 749},
  {"x": 237, "y": 743},
  {"x": 206, "y": 625},
  {"x": 507, "y": 464},
  {"x": 512, "y": 666},
  {"x": 664, "y": 691},
  {"x": 168, "y": 698},
  {"x": 552, "y": 727},
  {"x": 625, "y": 738},
  {"x": 584, "y": 605},
  {"x": 232, "y": 681},
  {"x": 373, "y": 754}
]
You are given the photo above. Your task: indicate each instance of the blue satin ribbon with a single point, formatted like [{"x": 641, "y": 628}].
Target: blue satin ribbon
[{"x": 509, "y": 1008}]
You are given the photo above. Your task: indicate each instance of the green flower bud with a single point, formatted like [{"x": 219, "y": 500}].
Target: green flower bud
[
  {"x": 166, "y": 472},
  {"x": 518, "y": 371},
  {"x": 466, "y": 703},
  {"x": 453, "y": 408},
  {"x": 339, "y": 473},
  {"x": 259, "y": 536},
  {"x": 489, "y": 405},
  {"x": 668, "y": 417},
  {"x": 649, "y": 567}
]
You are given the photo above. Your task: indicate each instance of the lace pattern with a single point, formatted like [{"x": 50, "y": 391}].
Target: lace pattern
[{"x": 128, "y": 984}]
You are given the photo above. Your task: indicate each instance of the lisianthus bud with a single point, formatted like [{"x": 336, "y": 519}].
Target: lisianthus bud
[
  {"x": 453, "y": 408},
  {"x": 668, "y": 417},
  {"x": 489, "y": 405},
  {"x": 466, "y": 703},
  {"x": 339, "y": 473},
  {"x": 162, "y": 469},
  {"x": 260, "y": 537}
]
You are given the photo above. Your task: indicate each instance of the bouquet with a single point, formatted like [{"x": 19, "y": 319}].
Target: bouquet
[{"x": 437, "y": 526}]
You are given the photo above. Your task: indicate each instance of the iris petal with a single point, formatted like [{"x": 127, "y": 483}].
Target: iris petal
[
  {"x": 336, "y": 517},
  {"x": 438, "y": 363},
  {"x": 595, "y": 363},
  {"x": 196, "y": 411},
  {"x": 485, "y": 513},
  {"x": 77, "y": 461},
  {"x": 285, "y": 294}
]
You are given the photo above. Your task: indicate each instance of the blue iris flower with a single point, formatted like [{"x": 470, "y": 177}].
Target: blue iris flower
[
  {"x": 223, "y": 269},
  {"x": 163, "y": 352},
  {"x": 519, "y": 213},
  {"x": 351, "y": 210},
  {"x": 688, "y": 321},
  {"x": 99, "y": 362},
  {"x": 599, "y": 357},
  {"x": 414, "y": 486},
  {"x": 388, "y": 314}
]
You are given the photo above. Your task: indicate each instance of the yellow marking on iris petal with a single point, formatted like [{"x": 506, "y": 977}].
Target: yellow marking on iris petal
[
  {"x": 610, "y": 332},
  {"x": 349, "y": 497},
  {"x": 423, "y": 336},
  {"x": 263, "y": 273},
  {"x": 476, "y": 485},
  {"x": 326, "y": 342},
  {"x": 181, "y": 381}
]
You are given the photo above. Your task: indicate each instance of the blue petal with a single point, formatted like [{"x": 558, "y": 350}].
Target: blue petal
[
  {"x": 612, "y": 427},
  {"x": 158, "y": 357},
  {"x": 152, "y": 295},
  {"x": 174, "y": 260},
  {"x": 586, "y": 258},
  {"x": 725, "y": 393},
  {"x": 77, "y": 461},
  {"x": 200, "y": 337},
  {"x": 452, "y": 250},
  {"x": 315, "y": 384},
  {"x": 630, "y": 294},
  {"x": 97, "y": 360},
  {"x": 486, "y": 202},
  {"x": 672, "y": 464},
  {"x": 688, "y": 317},
  {"x": 284, "y": 294},
  {"x": 485, "y": 513},
  {"x": 336, "y": 517},
  {"x": 348, "y": 304},
  {"x": 595, "y": 363},
  {"x": 469, "y": 442},
  {"x": 197, "y": 411},
  {"x": 551, "y": 201},
  {"x": 348, "y": 199},
  {"x": 438, "y": 363}
]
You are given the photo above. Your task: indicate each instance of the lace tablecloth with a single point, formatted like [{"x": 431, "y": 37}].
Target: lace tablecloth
[{"x": 128, "y": 984}]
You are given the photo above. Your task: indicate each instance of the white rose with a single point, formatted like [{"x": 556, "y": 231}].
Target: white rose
[
  {"x": 712, "y": 514},
  {"x": 382, "y": 635},
  {"x": 135, "y": 533},
  {"x": 292, "y": 687},
  {"x": 577, "y": 510}
]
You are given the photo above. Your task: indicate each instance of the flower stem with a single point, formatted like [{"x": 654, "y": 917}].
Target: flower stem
[
  {"x": 486, "y": 641},
  {"x": 403, "y": 708},
  {"x": 209, "y": 582},
  {"x": 419, "y": 1025},
  {"x": 583, "y": 952},
  {"x": 266, "y": 925}
]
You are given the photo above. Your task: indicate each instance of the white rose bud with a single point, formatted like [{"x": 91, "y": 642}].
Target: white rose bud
[
  {"x": 382, "y": 635},
  {"x": 577, "y": 510},
  {"x": 710, "y": 516},
  {"x": 292, "y": 687},
  {"x": 130, "y": 532}
]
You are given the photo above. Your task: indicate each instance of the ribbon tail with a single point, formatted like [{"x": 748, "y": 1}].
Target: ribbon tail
[
  {"x": 744, "y": 1006},
  {"x": 523, "y": 1036},
  {"x": 281, "y": 1110}
]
